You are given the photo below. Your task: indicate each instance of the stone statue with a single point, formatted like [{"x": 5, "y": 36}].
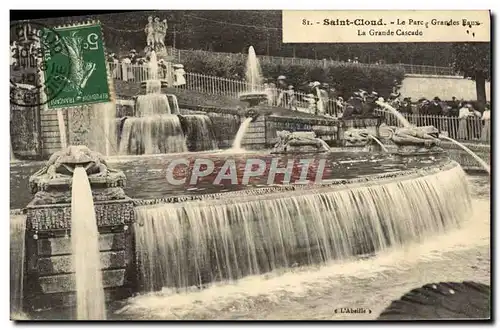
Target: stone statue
[
  {"x": 51, "y": 183},
  {"x": 150, "y": 30},
  {"x": 423, "y": 136},
  {"x": 62, "y": 164},
  {"x": 357, "y": 136},
  {"x": 299, "y": 142},
  {"x": 155, "y": 35}
]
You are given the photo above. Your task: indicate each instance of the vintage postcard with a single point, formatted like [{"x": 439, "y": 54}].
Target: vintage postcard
[{"x": 250, "y": 165}]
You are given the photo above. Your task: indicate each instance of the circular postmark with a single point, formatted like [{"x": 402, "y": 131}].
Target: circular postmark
[{"x": 40, "y": 64}]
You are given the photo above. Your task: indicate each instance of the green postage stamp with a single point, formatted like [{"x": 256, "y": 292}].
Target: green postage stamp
[{"x": 82, "y": 77}]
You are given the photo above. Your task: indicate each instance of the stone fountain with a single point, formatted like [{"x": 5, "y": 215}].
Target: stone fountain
[
  {"x": 299, "y": 142},
  {"x": 255, "y": 94},
  {"x": 50, "y": 277}
]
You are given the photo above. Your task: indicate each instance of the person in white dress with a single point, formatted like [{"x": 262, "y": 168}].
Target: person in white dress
[
  {"x": 466, "y": 113},
  {"x": 179, "y": 79},
  {"x": 486, "y": 118},
  {"x": 126, "y": 68},
  {"x": 311, "y": 103}
]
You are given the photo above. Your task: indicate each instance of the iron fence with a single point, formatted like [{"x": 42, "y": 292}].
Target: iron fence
[
  {"x": 468, "y": 129},
  {"x": 179, "y": 54}
]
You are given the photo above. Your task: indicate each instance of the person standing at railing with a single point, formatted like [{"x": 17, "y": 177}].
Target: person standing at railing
[
  {"x": 485, "y": 132},
  {"x": 463, "y": 117},
  {"x": 453, "y": 121},
  {"x": 292, "y": 101},
  {"x": 435, "y": 110},
  {"x": 268, "y": 90},
  {"x": 115, "y": 65},
  {"x": 282, "y": 95},
  {"x": 179, "y": 79},
  {"x": 311, "y": 101},
  {"x": 127, "y": 69}
]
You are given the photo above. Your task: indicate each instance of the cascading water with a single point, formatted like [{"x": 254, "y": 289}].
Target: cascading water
[
  {"x": 85, "y": 246},
  {"x": 240, "y": 134},
  {"x": 17, "y": 251},
  {"x": 152, "y": 135},
  {"x": 155, "y": 129},
  {"x": 191, "y": 243},
  {"x": 199, "y": 132},
  {"x": 154, "y": 102},
  {"x": 102, "y": 133}
]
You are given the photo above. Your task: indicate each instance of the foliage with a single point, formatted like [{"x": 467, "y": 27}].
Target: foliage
[
  {"x": 346, "y": 77},
  {"x": 234, "y": 31},
  {"x": 472, "y": 58}
]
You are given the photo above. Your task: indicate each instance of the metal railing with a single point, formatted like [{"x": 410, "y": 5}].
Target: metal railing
[
  {"x": 468, "y": 129},
  {"x": 293, "y": 100},
  {"x": 179, "y": 54}
]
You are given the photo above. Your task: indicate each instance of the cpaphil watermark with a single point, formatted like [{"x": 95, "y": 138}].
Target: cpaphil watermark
[{"x": 252, "y": 171}]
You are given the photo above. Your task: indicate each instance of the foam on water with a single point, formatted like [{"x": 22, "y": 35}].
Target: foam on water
[
  {"x": 363, "y": 280},
  {"x": 152, "y": 104},
  {"x": 152, "y": 135},
  {"x": 85, "y": 248},
  {"x": 191, "y": 243}
]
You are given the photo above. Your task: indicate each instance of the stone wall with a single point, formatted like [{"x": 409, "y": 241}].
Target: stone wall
[{"x": 445, "y": 87}]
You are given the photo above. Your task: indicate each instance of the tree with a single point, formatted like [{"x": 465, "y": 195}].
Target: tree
[{"x": 473, "y": 60}]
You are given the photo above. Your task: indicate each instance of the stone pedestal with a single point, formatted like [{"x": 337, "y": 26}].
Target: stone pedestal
[{"x": 50, "y": 272}]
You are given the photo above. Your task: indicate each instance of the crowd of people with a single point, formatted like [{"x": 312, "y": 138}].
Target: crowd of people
[
  {"x": 123, "y": 68},
  {"x": 459, "y": 118},
  {"x": 469, "y": 118}
]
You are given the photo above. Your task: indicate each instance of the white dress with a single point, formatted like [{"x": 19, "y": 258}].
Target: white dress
[
  {"x": 126, "y": 67},
  {"x": 462, "y": 124},
  {"x": 485, "y": 132},
  {"x": 179, "y": 77}
]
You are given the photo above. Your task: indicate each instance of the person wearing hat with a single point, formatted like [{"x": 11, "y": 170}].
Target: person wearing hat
[
  {"x": 133, "y": 56},
  {"x": 127, "y": 68},
  {"x": 179, "y": 79},
  {"x": 465, "y": 114},
  {"x": 281, "y": 83}
]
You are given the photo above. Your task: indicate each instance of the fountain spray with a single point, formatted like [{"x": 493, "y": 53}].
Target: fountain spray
[{"x": 85, "y": 244}]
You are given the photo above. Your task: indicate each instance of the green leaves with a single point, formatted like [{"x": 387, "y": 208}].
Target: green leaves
[
  {"x": 472, "y": 58},
  {"x": 346, "y": 77}
]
